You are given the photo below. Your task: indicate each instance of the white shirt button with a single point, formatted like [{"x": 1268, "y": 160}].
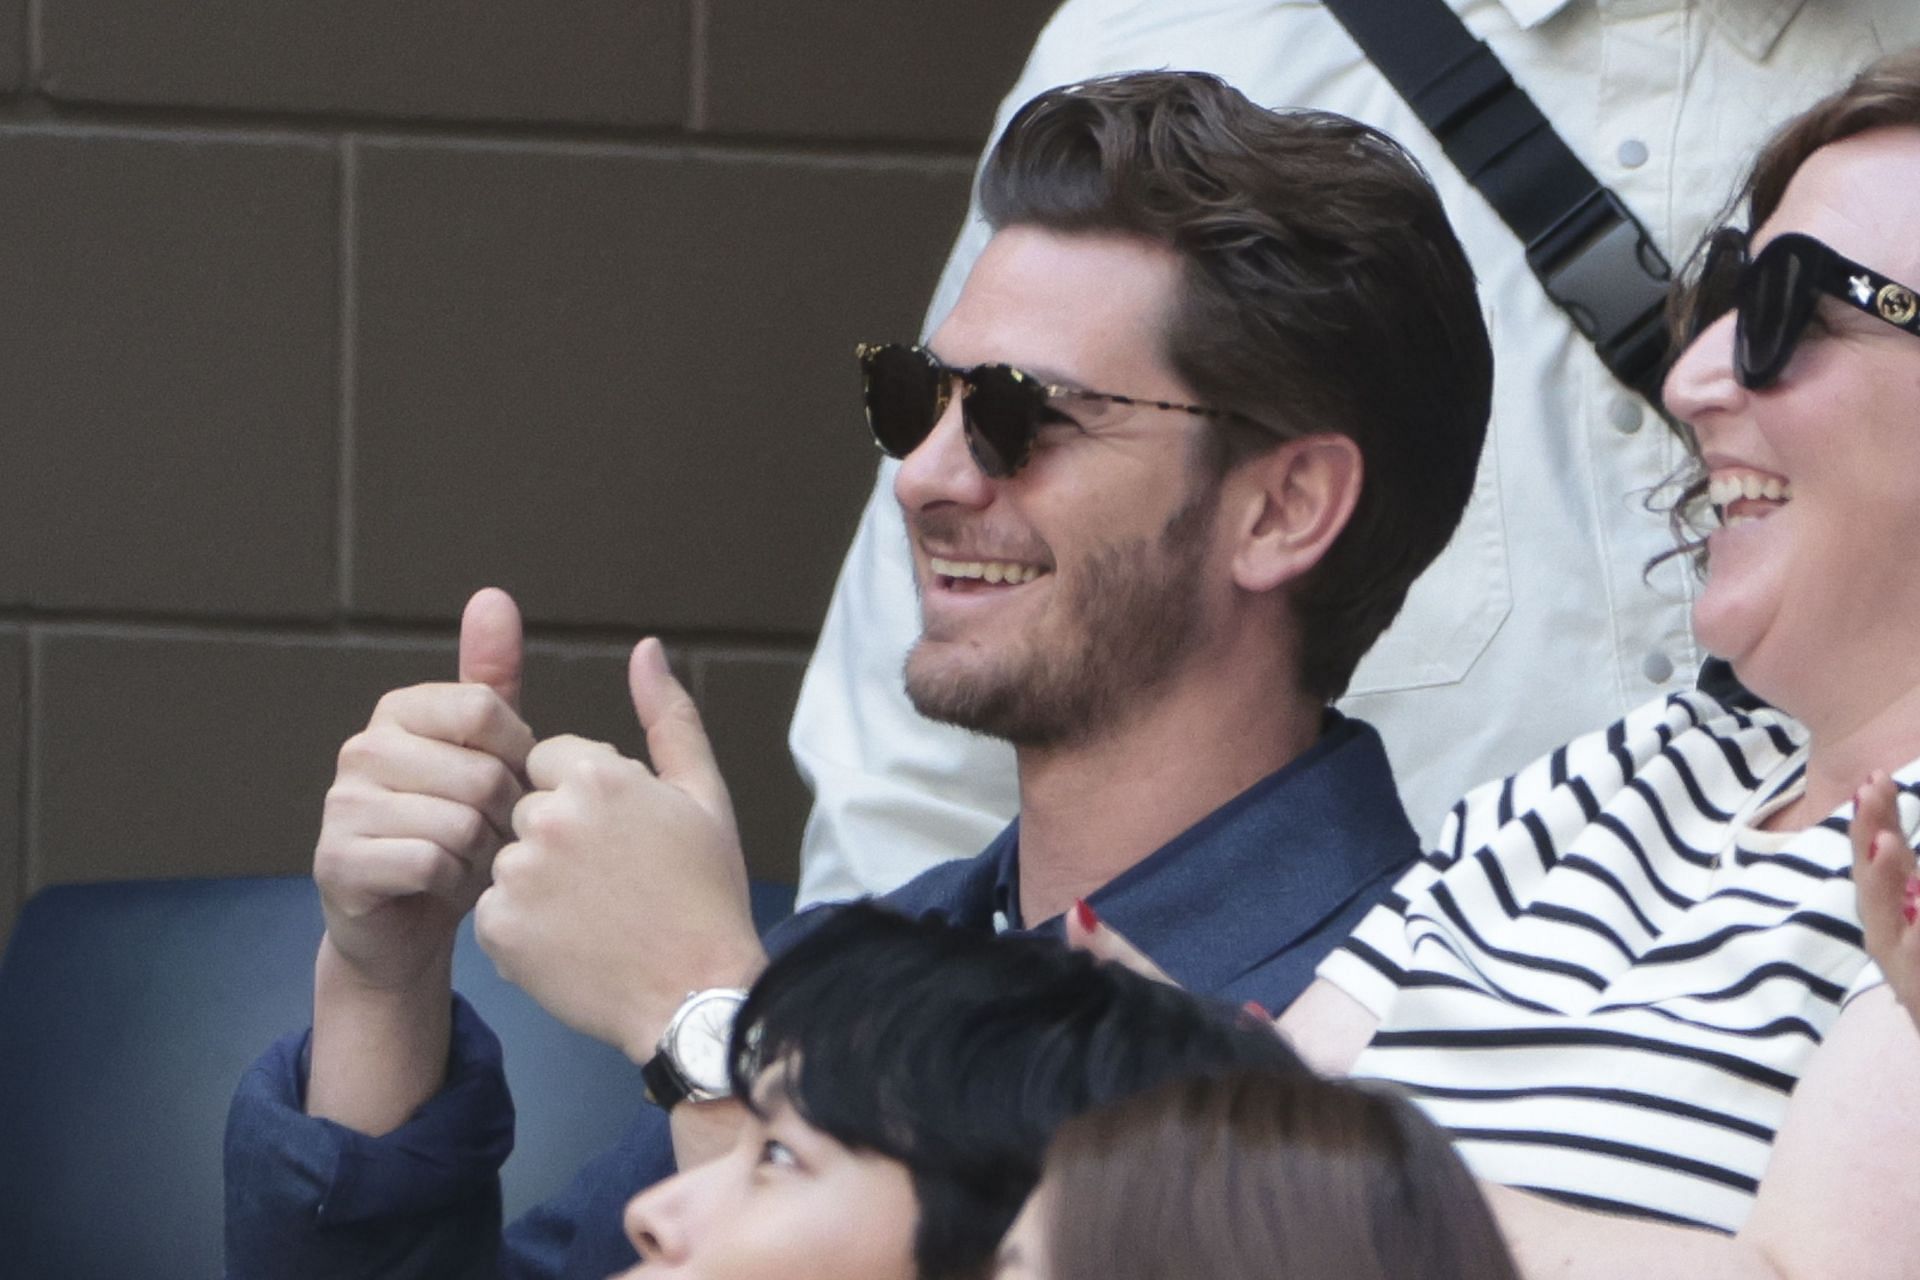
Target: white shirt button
[
  {"x": 1632, "y": 153},
  {"x": 1626, "y": 413},
  {"x": 1658, "y": 667}
]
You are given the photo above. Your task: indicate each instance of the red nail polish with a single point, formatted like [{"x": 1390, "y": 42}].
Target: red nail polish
[
  {"x": 1911, "y": 911},
  {"x": 1084, "y": 914},
  {"x": 1258, "y": 1010}
]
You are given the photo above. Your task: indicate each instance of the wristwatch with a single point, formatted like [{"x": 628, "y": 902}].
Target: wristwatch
[{"x": 691, "y": 1059}]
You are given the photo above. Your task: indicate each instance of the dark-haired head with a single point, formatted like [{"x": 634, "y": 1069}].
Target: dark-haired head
[
  {"x": 1257, "y": 1174},
  {"x": 958, "y": 1055},
  {"x": 1322, "y": 291}
]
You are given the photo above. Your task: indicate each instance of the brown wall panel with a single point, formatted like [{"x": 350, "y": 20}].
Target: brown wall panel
[
  {"x": 621, "y": 383},
  {"x": 13, "y": 744},
  {"x": 168, "y": 376},
  {"x": 745, "y": 703},
  {"x": 440, "y": 298},
  {"x": 589, "y": 61},
  {"x": 864, "y": 68},
  {"x": 167, "y": 755}
]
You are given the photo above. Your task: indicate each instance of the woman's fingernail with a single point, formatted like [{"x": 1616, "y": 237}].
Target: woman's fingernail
[
  {"x": 1084, "y": 914},
  {"x": 1258, "y": 1010}
]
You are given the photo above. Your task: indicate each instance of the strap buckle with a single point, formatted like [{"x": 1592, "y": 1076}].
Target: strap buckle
[{"x": 1603, "y": 269}]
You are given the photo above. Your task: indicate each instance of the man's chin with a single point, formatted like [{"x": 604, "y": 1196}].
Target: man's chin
[{"x": 948, "y": 690}]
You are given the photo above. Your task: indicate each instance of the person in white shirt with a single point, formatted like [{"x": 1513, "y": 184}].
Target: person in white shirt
[{"x": 1539, "y": 620}]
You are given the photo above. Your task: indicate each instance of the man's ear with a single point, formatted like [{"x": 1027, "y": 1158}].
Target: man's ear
[{"x": 1293, "y": 501}]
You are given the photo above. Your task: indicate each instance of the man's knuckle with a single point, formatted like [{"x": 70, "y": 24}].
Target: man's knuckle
[
  {"x": 360, "y": 752},
  {"x": 475, "y": 707},
  {"x": 471, "y": 829}
]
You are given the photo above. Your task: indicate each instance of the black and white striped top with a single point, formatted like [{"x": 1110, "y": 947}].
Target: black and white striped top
[{"x": 1606, "y": 982}]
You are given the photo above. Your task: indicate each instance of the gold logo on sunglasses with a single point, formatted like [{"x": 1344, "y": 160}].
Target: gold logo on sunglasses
[{"x": 1897, "y": 304}]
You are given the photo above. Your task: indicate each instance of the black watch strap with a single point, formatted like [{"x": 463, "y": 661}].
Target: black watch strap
[{"x": 666, "y": 1087}]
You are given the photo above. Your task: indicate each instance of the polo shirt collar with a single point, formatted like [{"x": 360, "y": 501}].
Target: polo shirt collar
[
  {"x": 1252, "y": 877},
  {"x": 1752, "y": 26}
]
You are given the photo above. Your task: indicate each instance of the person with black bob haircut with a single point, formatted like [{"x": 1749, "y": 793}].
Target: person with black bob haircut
[{"x": 903, "y": 1078}]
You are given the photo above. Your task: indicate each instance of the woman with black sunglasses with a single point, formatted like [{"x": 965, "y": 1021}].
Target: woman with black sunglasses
[{"x": 1633, "y": 981}]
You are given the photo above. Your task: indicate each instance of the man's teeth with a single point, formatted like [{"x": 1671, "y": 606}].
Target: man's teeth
[
  {"x": 1724, "y": 490},
  {"x": 986, "y": 570}
]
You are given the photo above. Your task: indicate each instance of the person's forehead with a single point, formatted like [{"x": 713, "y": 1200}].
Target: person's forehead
[
  {"x": 1856, "y": 196},
  {"x": 1077, "y": 308}
]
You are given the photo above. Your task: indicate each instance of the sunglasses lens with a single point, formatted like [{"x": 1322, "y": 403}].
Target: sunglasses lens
[
  {"x": 904, "y": 388},
  {"x": 1003, "y": 408},
  {"x": 1778, "y": 300}
]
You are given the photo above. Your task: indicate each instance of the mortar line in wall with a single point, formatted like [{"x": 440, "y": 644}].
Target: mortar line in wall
[
  {"x": 557, "y": 638},
  {"x": 32, "y": 114},
  {"x": 697, "y": 66},
  {"x": 348, "y": 385},
  {"x": 33, "y": 21}
]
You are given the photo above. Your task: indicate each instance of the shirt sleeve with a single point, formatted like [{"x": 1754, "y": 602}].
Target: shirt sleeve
[
  {"x": 1372, "y": 964},
  {"x": 894, "y": 793},
  {"x": 306, "y": 1197}
]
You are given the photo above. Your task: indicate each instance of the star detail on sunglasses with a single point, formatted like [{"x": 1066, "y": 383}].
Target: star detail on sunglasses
[{"x": 1862, "y": 289}]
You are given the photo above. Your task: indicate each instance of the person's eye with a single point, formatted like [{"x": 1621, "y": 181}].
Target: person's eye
[
  {"x": 1052, "y": 414},
  {"x": 778, "y": 1155},
  {"x": 1055, "y": 416}
]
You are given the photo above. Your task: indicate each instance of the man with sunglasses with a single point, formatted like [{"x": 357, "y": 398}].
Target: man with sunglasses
[
  {"x": 1210, "y": 400},
  {"x": 1541, "y": 619}
]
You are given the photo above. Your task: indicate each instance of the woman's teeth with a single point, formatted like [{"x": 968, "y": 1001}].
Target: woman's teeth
[
  {"x": 1722, "y": 490},
  {"x": 1737, "y": 499}
]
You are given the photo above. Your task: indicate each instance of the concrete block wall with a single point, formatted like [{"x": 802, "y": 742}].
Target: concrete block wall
[{"x": 316, "y": 316}]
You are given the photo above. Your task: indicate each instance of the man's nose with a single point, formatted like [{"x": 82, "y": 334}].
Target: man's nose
[{"x": 942, "y": 469}]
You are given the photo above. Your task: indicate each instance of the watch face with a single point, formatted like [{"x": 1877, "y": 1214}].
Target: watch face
[{"x": 700, "y": 1042}]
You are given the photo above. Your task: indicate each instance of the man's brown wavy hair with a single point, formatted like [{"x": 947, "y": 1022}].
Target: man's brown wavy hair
[{"x": 1323, "y": 291}]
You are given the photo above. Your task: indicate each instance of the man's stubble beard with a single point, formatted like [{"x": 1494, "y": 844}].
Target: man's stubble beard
[{"x": 1131, "y": 611}]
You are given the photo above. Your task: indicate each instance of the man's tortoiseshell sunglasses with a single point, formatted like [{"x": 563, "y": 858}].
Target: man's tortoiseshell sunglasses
[{"x": 1001, "y": 407}]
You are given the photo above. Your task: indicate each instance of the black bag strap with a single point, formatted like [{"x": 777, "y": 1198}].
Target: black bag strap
[
  {"x": 1591, "y": 254},
  {"x": 1593, "y": 257}
]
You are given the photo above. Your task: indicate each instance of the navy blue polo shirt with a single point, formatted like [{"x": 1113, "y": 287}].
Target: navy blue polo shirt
[{"x": 1240, "y": 906}]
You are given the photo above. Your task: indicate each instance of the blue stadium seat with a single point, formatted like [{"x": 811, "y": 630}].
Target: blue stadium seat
[{"x": 128, "y": 1012}]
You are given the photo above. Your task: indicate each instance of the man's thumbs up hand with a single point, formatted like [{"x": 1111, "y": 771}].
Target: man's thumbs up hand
[
  {"x": 421, "y": 799},
  {"x": 625, "y": 887},
  {"x": 491, "y": 648}
]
